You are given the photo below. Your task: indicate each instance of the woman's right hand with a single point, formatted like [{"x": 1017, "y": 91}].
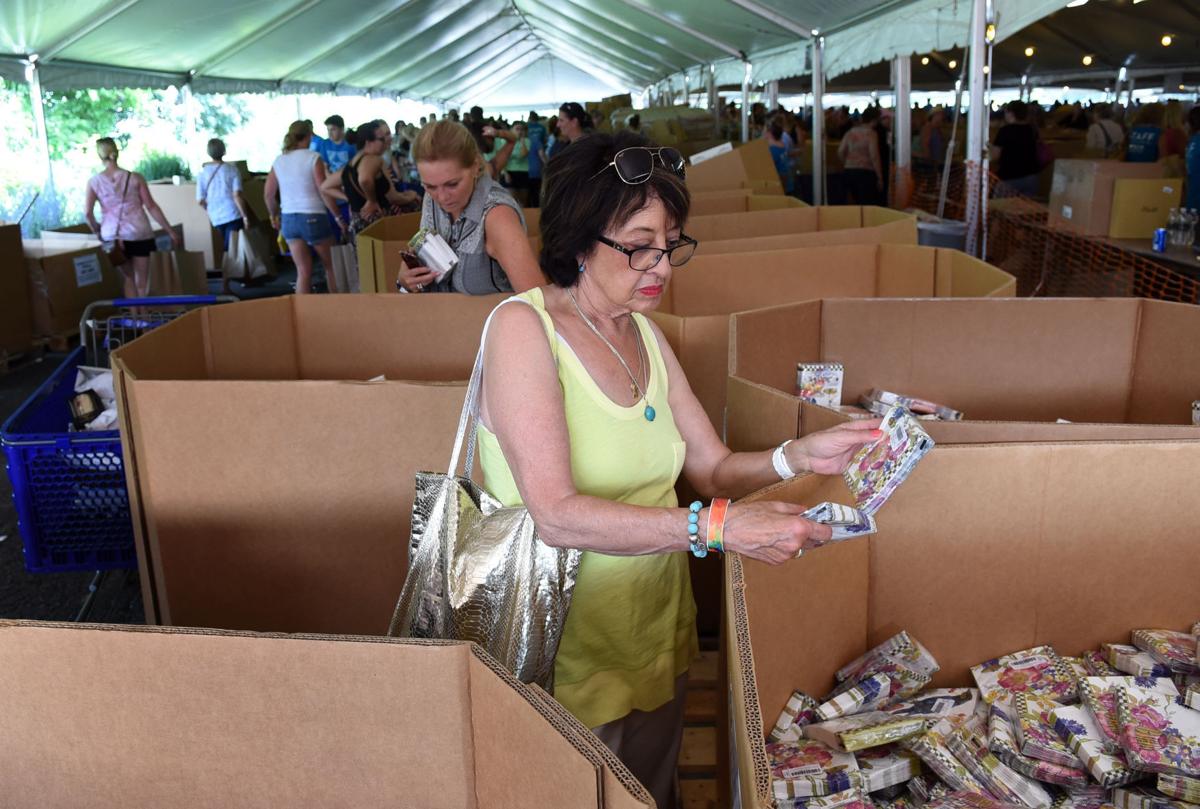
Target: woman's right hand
[
  {"x": 772, "y": 532},
  {"x": 416, "y": 279}
]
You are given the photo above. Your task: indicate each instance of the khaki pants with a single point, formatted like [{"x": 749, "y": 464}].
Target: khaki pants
[{"x": 647, "y": 742}]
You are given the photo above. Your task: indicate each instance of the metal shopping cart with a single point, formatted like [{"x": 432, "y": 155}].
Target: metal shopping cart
[{"x": 69, "y": 487}]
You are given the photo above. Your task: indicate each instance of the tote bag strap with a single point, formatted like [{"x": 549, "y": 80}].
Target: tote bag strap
[{"x": 468, "y": 421}]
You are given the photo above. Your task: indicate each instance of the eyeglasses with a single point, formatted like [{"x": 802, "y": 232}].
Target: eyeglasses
[
  {"x": 644, "y": 259},
  {"x": 635, "y": 164}
]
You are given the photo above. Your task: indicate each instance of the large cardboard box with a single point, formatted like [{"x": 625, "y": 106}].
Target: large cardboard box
[
  {"x": 1139, "y": 207},
  {"x": 379, "y": 247},
  {"x": 16, "y": 321},
  {"x": 748, "y": 166},
  {"x": 135, "y": 716},
  {"x": 179, "y": 204},
  {"x": 694, "y": 315},
  {"x": 739, "y": 200},
  {"x": 785, "y": 228},
  {"x": 986, "y": 549},
  {"x": 1118, "y": 368},
  {"x": 1081, "y": 193},
  {"x": 64, "y": 277},
  {"x": 270, "y": 483}
]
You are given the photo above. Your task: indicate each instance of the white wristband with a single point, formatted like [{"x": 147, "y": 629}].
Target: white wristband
[{"x": 779, "y": 461}]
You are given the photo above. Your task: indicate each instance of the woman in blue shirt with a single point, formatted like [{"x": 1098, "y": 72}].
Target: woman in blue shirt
[
  {"x": 1192, "y": 156},
  {"x": 1146, "y": 136}
]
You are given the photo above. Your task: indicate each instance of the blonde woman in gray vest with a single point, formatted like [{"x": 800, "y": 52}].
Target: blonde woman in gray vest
[{"x": 476, "y": 216}]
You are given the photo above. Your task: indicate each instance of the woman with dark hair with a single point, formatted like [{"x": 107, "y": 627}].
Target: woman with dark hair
[
  {"x": 363, "y": 183},
  {"x": 587, "y": 419},
  {"x": 1015, "y": 150},
  {"x": 219, "y": 192},
  {"x": 1146, "y": 138},
  {"x": 573, "y": 123},
  {"x": 124, "y": 201}
]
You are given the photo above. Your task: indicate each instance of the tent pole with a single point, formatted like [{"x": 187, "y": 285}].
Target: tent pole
[
  {"x": 818, "y": 123},
  {"x": 34, "y": 79},
  {"x": 746, "y": 103},
  {"x": 902, "y": 127},
  {"x": 977, "y": 119},
  {"x": 772, "y": 95},
  {"x": 713, "y": 103}
]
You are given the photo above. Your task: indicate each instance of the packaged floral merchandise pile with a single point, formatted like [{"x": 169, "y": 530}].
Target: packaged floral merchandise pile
[{"x": 1116, "y": 728}]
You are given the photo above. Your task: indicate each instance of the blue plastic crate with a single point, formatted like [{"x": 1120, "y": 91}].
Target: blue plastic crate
[{"x": 69, "y": 488}]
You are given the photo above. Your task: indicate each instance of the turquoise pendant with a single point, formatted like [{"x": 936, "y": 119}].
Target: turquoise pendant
[{"x": 649, "y": 413}]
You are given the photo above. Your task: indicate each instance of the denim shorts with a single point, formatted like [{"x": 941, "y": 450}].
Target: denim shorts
[{"x": 312, "y": 228}]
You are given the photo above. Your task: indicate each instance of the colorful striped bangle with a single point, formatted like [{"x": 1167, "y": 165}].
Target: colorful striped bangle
[{"x": 716, "y": 524}]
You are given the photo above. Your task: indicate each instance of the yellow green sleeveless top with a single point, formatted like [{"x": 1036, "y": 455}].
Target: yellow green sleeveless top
[{"x": 631, "y": 628}]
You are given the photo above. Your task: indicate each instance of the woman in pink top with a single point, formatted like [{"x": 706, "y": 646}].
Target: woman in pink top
[
  {"x": 859, "y": 154},
  {"x": 124, "y": 200}
]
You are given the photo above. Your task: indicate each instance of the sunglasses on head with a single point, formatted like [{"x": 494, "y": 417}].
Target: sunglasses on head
[{"x": 635, "y": 164}]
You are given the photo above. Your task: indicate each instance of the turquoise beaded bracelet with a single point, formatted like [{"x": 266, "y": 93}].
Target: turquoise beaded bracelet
[{"x": 696, "y": 543}]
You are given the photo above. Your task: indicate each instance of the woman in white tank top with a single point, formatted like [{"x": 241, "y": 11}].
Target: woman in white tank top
[{"x": 298, "y": 207}]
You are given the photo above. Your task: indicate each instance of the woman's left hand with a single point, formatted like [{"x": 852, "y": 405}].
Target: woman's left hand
[
  {"x": 829, "y": 451},
  {"x": 175, "y": 242}
]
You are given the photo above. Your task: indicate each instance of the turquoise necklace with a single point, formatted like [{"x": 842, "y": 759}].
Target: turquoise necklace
[{"x": 635, "y": 386}]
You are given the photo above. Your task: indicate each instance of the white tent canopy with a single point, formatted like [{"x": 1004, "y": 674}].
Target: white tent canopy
[{"x": 490, "y": 51}]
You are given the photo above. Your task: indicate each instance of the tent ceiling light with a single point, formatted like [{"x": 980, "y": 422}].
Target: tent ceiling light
[
  {"x": 1087, "y": 60},
  {"x": 953, "y": 63},
  {"x": 924, "y": 60},
  {"x": 1167, "y": 39},
  {"x": 1077, "y": 3},
  {"x": 1029, "y": 51}
]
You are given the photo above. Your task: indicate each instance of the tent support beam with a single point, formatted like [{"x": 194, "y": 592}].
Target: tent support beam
[
  {"x": 601, "y": 35},
  {"x": 456, "y": 66},
  {"x": 386, "y": 53},
  {"x": 687, "y": 29},
  {"x": 246, "y": 41},
  {"x": 34, "y": 79},
  {"x": 362, "y": 30},
  {"x": 537, "y": 46},
  {"x": 746, "y": 103},
  {"x": 502, "y": 76},
  {"x": 977, "y": 120},
  {"x": 96, "y": 21},
  {"x": 902, "y": 127},
  {"x": 465, "y": 35},
  {"x": 775, "y": 18},
  {"x": 714, "y": 101},
  {"x": 772, "y": 95},
  {"x": 570, "y": 52},
  {"x": 818, "y": 123},
  {"x": 633, "y": 30},
  {"x": 574, "y": 39}
]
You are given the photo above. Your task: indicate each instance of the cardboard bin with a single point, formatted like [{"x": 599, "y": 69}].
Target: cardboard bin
[
  {"x": 270, "y": 483},
  {"x": 739, "y": 200},
  {"x": 1117, "y": 368},
  {"x": 985, "y": 550},
  {"x": 748, "y": 166},
  {"x": 1139, "y": 207},
  {"x": 16, "y": 321},
  {"x": 379, "y": 247},
  {"x": 136, "y": 716},
  {"x": 694, "y": 315},
  {"x": 789, "y": 227},
  {"x": 178, "y": 202},
  {"x": 64, "y": 277},
  {"x": 1081, "y": 193}
]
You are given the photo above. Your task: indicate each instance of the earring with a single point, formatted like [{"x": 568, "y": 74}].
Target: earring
[{"x": 581, "y": 268}]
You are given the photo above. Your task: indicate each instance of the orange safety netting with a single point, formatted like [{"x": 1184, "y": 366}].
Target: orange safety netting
[{"x": 1048, "y": 258}]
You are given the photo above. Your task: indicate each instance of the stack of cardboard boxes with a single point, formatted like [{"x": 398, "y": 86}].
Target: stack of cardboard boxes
[{"x": 1112, "y": 198}]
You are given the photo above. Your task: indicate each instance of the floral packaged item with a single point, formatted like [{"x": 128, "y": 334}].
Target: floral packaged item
[
  {"x": 866, "y": 695},
  {"x": 1179, "y": 786},
  {"x": 1035, "y": 730},
  {"x": 969, "y": 800},
  {"x": 801, "y": 710},
  {"x": 1097, "y": 665},
  {"x": 1140, "y": 797},
  {"x": 1133, "y": 660},
  {"x": 1076, "y": 726},
  {"x": 1033, "y": 671},
  {"x": 876, "y": 399},
  {"x": 939, "y": 703},
  {"x": 901, "y": 648},
  {"x": 1157, "y": 733},
  {"x": 864, "y": 730},
  {"x": 971, "y": 748},
  {"x": 1002, "y": 740},
  {"x": 932, "y": 748},
  {"x": 1175, "y": 650},
  {"x": 1099, "y": 696},
  {"x": 883, "y": 767},
  {"x": 820, "y": 383},
  {"x": 1191, "y": 697},
  {"x": 849, "y": 799},
  {"x": 807, "y": 769}
]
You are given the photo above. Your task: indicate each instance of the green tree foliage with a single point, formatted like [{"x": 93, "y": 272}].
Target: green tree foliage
[
  {"x": 77, "y": 117},
  {"x": 162, "y": 166}
]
